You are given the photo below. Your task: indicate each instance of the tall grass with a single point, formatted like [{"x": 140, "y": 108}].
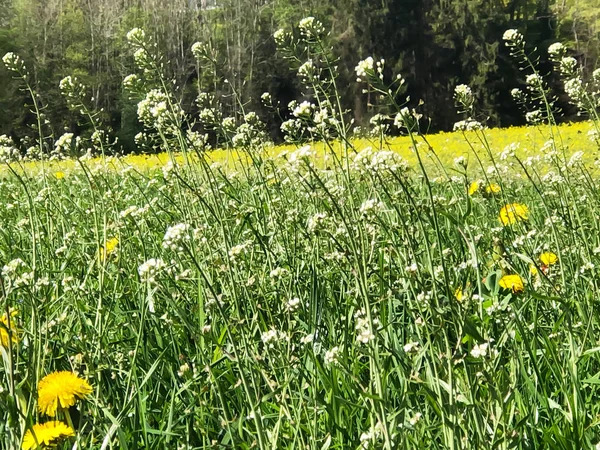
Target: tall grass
[{"x": 278, "y": 303}]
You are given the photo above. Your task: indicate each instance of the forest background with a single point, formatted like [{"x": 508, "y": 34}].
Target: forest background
[{"x": 434, "y": 44}]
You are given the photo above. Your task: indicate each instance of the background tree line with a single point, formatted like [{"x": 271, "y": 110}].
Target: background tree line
[{"x": 434, "y": 44}]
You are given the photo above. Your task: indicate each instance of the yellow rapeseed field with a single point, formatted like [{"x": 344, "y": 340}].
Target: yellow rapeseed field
[{"x": 446, "y": 147}]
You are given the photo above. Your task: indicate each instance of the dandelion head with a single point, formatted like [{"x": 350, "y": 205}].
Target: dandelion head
[
  {"x": 493, "y": 188},
  {"x": 8, "y": 331},
  {"x": 60, "y": 390},
  {"x": 458, "y": 294},
  {"x": 48, "y": 434},
  {"x": 512, "y": 213},
  {"x": 548, "y": 258},
  {"x": 512, "y": 283},
  {"x": 473, "y": 187},
  {"x": 109, "y": 247}
]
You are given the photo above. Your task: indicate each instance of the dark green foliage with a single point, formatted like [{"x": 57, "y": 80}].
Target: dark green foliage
[{"x": 434, "y": 44}]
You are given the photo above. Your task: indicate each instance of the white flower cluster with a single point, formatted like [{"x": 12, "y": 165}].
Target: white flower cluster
[
  {"x": 369, "y": 439},
  {"x": 62, "y": 146},
  {"x": 324, "y": 120},
  {"x": 303, "y": 154},
  {"x": 143, "y": 59},
  {"x": 132, "y": 83},
  {"x": 407, "y": 118},
  {"x": 364, "y": 333},
  {"x": 468, "y": 125},
  {"x": 368, "y": 69},
  {"x": 292, "y": 304},
  {"x": 70, "y": 87},
  {"x": 364, "y": 67},
  {"x": 209, "y": 116},
  {"x": 228, "y": 124},
  {"x": 462, "y": 90},
  {"x": 252, "y": 118},
  {"x": 197, "y": 141},
  {"x": 311, "y": 28},
  {"x": 14, "y": 63},
  {"x": 556, "y": 50},
  {"x": 280, "y": 36},
  {"x": 513, "y": 38},
  {"x": 237, "y": 251},
  {"x": 534, "y": 117},
  {"x": 272, "y": 337},
  {"x": 533, "y": 80},
  {"x": 278, "y": 273},
  {"x": 176, "y": 236},
  {"x": 332, "y": 356},
  {"x": 370, "y": 208},
  {"x": 266, "y": 98},
  {"x": 15, "y": 271},
  {"x": 509, "y": 151},
  {"x": 316, "y": 222},
  {"x": 575, "y": 90},
  {"x": 200, "y": 50},
  {"x": 307, "y": 71},
  {"x": 149, "y": 270},
  {"x": 369, "y": 160},
  {"x": 304, "y": 110},
  {"x": 136, "y": 36},
  {"x": 134, "y": 211},
  {"x": 517, "y": 95},
  {"x": 568, "y": 66},
  {"x": 291, "y": 129},
  {"x": 155, "y": 112},
  {"x": 249, "y": 135},
  {"x": 483, "y": 350},
  {"x": 8, "y": 151},
  {"x": 412, "y": 347}
]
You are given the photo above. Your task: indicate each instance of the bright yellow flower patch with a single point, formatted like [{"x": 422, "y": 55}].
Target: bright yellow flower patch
[
  {"x": 109, "y": 247},
  {"x": 458, "y": 294},
  {"x": 493, "y": 188},
  {"x": 512, "y": 213},
  {"x": 44, "y": 435},
  {"x": 8, "y": 331},
  {"x": 548, "y": 258},
  {"x": 473, "y": 187},
  {"x": 513, "y": 283},
  {"x": 60, "y": 390}
]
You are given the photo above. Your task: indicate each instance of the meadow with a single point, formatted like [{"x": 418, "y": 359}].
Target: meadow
[{"x": 416, "y": 292}]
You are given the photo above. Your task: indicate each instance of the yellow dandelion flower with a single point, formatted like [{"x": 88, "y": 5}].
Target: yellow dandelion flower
[
  {"x": 513, "y": 283},
  {"x": 8, "y": 331},
  {"x": 512, "y": 213},
  {"x": 458, "y": 294},
  {"x": 60, "y": 390},
  {"x": 533, "y": 270},
  {"x": 59, "y": 175},
  {"x": 46, "y": 435},
  {"x": 473, "y": 187},
  {"x": 548, "y": 258},
  {"x": 109, "y": 247},
  {"x": 493, "y": 188}
]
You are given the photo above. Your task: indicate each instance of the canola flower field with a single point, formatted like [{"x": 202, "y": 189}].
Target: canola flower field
[
  {"x": 446, "y": 147},
  {"x": 421, "y": 292}
]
